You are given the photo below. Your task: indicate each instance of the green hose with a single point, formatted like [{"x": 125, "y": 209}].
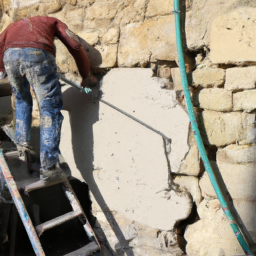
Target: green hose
[{"x": 226, "y": 206}]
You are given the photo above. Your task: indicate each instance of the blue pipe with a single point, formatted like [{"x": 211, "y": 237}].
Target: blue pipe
[{"x": 225, "y": 206}]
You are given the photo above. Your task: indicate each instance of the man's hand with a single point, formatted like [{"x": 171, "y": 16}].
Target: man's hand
[{"x": 89, "y": 81}]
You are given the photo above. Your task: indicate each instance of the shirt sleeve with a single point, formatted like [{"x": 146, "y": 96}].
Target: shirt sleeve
[{"x": 71, "y": 41}]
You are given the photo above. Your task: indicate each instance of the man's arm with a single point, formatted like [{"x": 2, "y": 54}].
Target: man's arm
[{"x": 71, "y": 41}]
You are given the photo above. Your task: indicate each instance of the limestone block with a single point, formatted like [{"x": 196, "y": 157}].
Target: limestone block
[
  {"x": 214, "y": 99},
  {"x": 190, "y": 184},
  {"x": 5, "y": 22},
  {"x": 100, "y": 14},
  {"x": 233, "y": 31},
  {"x": 64, "y": 59},
  {"x": 221, "y": 129},
  {"x": 209, "y": 77},
  {"x": 240, "y": 78},
  {"x": 92, "y": 37},
  {"x": 176, "y": 79},
  {"x": 191, "y": 164},
  {"x": 245, "y": 101},
  {"x": 212, "y": 234},
  {"x": 157, "y": 8},
  {"x": 6, "y": 110},
  {"x": 164, "y": 72},
  {"x": 152, "y": 39},
  {"x": 130, "y": 12},
  {"x": 123, "y": 162},
  {"x": 108, "y": 54},
  {"x": 72, "y": 2},
  {"x": 199, "y": 25},
  {"x": 111, "y": 36},
  {"x": 237, "y": 166}
]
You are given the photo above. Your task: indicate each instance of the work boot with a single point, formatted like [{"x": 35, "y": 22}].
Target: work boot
[{"x": 52, "y": 174}]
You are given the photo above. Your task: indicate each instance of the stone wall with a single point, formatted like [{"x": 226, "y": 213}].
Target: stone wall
[{"x": 146, "y": 193}]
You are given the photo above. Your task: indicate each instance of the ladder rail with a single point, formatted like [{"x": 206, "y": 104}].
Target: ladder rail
[{"x": 20, "y": 207}]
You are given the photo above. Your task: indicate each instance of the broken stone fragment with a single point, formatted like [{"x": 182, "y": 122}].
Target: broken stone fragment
[
  {"x": 212, "y": 234},
  {"x": 209, "y": 77},
  {"x": 191, "y": 185},
  {"x": 191, "y": 164},
  {"x": 213, "y": 99},
  {"x": 244, "y": 101},
  {"x": 240, "y": 78},
  {"x": 177, "y": 79},
  {"x": 221, "y": 129}
]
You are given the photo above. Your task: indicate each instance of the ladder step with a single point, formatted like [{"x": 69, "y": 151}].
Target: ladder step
[
  {"x": 40, "y": 184},
  {"x": 57, "y": 221},
  {"x": 86, "y": 250}
]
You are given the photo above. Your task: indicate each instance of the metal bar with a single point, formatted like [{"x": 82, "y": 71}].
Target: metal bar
[
  {"x": 116, "y": 108},
  {"x": 57, "y": 221},
  {"x": 70, "y": 194},
  {"x": 20, "y": 207},
  {"x": 85, "y": 251},
  {"x": 225, "y": 204}
]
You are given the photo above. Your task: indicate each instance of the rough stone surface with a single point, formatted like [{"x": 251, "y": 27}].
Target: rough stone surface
[
  {"x": 152, "y": 39},
  {"x": 132, "y": 237},
  {"x": 199, "y": 25},
  {"x": 112, "y": 152},
  {"x": 108, "y": 54},
  {"x": 237, "y": 166},
  {"x": 209, "y": 77},
  {"x": 177, "y": 79},
  {"x": 221, "y": 129},
  {"x": 190, "y": 184},
  {"x": 214, "y": 99},
  {"x": 240, "y": 78},
  {"x": 212, "y": 234},
  {"x": 157, "y": 8},
  {"x": 244, "y": 101},
  {"x": 232, "y": 40},
  {"x": 191, "y": 164}
]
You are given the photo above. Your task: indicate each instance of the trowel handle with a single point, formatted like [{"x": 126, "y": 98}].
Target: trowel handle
[{"x": 64, "y": 79}]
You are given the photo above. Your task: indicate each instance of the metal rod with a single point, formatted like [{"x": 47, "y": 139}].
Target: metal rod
[
  {"x": 116, "y": 108},
  {"x": 222, "y": 194}
]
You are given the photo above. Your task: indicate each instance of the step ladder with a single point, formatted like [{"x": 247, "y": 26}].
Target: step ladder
[{"x": 35, "y": 232}]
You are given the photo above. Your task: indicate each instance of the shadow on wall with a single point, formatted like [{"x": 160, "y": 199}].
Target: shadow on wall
[
  {"x": 93, "y": 54},
  {"x": 83, "y": 113}
]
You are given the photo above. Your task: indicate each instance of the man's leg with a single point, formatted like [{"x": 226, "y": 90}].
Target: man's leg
[
  {"x": 21, "y": 90},
  {"x": 45, "y": 82}
]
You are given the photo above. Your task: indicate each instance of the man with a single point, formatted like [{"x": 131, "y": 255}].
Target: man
[{"x": 27, "y": 55}]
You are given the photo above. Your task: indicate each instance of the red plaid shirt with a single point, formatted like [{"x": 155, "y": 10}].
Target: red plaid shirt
[{"x": 39, "y": 32}]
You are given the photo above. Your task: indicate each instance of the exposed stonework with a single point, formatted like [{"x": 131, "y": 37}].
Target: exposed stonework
[
  {"x": 151, "y": 40},
  {"x": 214, "y": 99},
  {"x": 244, "y": 101},
  {"x": 191, "y": 164},
  {"x": 232, "y": 40},
  {"x": 199, "y": 25},
  {"x": 209, "y": 77},
  {"x": 240, "y": 78},
  {"x": 212, "y": 235},
  {"x": 221, "y": 129}
]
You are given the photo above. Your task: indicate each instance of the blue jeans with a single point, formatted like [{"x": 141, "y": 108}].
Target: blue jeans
[{"x": 36, "y": 68}]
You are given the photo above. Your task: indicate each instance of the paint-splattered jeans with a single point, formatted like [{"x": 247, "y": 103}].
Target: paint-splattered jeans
[{"x": 37, "y": 68}]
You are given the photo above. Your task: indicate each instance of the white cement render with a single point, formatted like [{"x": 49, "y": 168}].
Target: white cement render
[{"x": 122, "y": 161}]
